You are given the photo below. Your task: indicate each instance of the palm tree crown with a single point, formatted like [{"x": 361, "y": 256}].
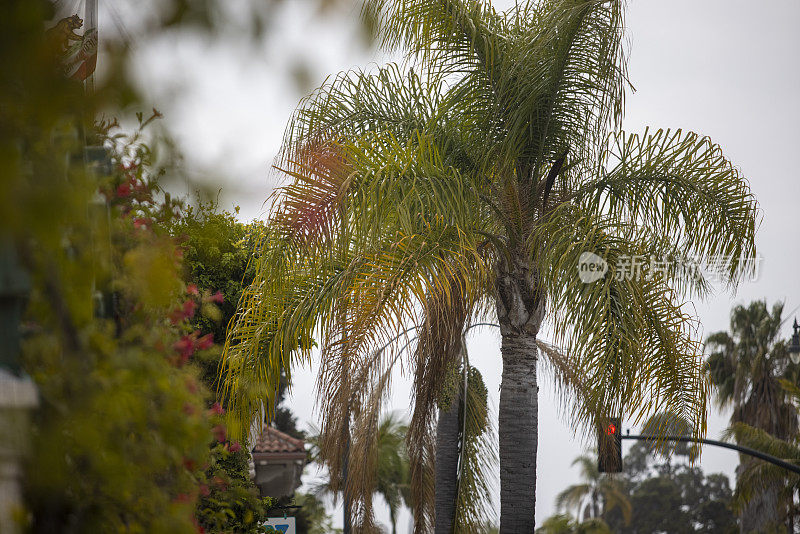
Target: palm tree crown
[
  {"x": 471, "y": 180},
  {"x": 597, "y": 494}
]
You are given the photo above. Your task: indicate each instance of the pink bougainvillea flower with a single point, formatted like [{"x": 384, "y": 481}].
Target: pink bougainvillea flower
[
  {"x": 191, "y": 289},
  {"x": 176, "y": 316},
  {"x": 216, "y": 409},
  {"x": 189, "y": 306},
  {"x": 217, "y": 297},
  {"x": 205, "y": 342},
  {"x": 220, "y": 433},
  {"x": 123, "y": 190},
  {"x": 235, "y": 447},
  {"x": 184, "y": 347}
]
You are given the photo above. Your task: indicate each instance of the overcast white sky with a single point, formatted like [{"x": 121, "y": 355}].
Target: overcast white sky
[{"x": 726, "y": 68}]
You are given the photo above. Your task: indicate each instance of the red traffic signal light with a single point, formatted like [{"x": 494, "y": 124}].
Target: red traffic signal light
[{"x": 609, "y": 447}]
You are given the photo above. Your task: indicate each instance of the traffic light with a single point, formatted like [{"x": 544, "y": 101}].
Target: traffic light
[{"x": 609, "y": 446}]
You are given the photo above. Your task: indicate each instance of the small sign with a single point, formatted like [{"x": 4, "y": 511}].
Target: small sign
[{"x": 284, "y": 525}]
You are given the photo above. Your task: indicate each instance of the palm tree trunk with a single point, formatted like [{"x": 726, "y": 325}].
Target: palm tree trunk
[
  {"x": 760, "y": 513},
  {"x": 447, "y": 464},
  {"x": 518, "y": 434},
  {"x": 520, "y": 308}
]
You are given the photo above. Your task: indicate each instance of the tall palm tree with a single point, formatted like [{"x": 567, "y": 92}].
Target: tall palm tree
[
  {"x": 757, "y": 478},
  {"x": 745, "y": 366},
  {"x": 597, "y": 494},
  {"x": 472, "y": 181}
]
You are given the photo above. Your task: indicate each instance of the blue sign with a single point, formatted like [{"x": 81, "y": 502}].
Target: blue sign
[{"x": 284, "y": 525}]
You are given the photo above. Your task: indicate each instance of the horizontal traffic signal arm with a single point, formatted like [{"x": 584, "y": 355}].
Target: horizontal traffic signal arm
[{"x": 744, "y": 450}]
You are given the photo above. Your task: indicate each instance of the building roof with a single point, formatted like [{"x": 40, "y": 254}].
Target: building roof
[{"x": 274, "y": 441}]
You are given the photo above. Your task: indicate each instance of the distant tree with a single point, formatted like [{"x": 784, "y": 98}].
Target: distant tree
[
  {"x": 657, "y": 507},
  {"x": 745, "y": 366},
  {"x": 756, "y": 477},
  {"x": 566, "y": 524},
  {"x": 391, "y": 461},
  {"x": 393, "y": 476},
  {"x": 668, "y": 494},
  {"x": 596, "y": 495},
  {"x": 311, "y": 517}
]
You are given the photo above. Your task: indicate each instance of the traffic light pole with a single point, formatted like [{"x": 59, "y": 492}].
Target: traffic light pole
[{"x": 744, "y": 450}]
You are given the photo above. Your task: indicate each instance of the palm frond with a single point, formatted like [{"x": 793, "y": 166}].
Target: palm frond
[
  {"x": 679, "y": 185},
  {"x": 563, "y": 81},
  {"x": 757, "y": 476},
  {"x": 629, "y": 334},
  {"x": 573, "y": 497},
  {"x": 478, "y": 458},
  {"x": 437, "y": 352}
]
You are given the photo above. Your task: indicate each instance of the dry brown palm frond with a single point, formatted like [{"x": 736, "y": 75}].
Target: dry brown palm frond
[{"x": 437, "y": 353}]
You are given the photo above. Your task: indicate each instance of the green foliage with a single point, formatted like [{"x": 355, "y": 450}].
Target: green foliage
[
  {"x": 217, "y": 250},
  {"x": 672, "y": 496},
  {"x": 113, "y": 437},
  {"x": 477, "y": 456},
  {"x": 219, "y": 258},
  {"x": 565, "y": 524},
  {"x": 311, "y": 517},
  {"x": 122, "y": 423},
  {"x": 229, "y": 501}
]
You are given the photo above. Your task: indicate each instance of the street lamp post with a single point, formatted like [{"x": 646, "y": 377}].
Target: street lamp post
[{"x": 794, "y": 345}]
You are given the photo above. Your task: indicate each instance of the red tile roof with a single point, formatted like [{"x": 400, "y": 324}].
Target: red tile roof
[{"x": 273, "y": 440}]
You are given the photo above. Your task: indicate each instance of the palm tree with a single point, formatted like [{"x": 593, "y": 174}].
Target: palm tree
[
  {"x": 596, "y": 495},
  {"x": 746, "y": 366},
  {"x": 392, "y": 480},
  {"x": 472, "y": 182},
  {"x": 392, "y": 476},
  {"x": 757, "y": 478}
]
